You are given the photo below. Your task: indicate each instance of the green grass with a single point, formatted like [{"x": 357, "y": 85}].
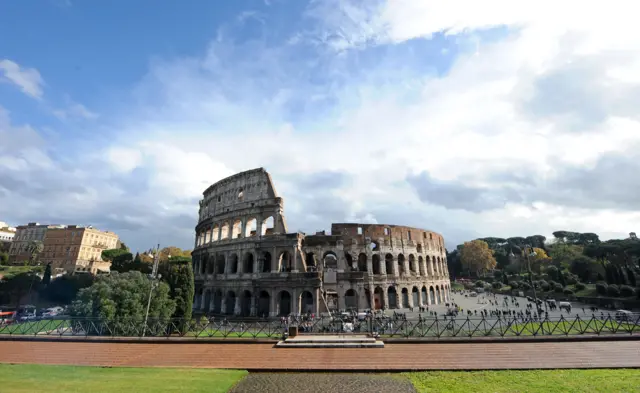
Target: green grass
[
  {"x": 9, "y": 271},
  {"x": 535, "y": 381},
  {"x": 235, "y": 334},
  {"x": 69, "y": 379},
  {"x": 457, "y": 286},
  {"x": 33, "y": 327}
]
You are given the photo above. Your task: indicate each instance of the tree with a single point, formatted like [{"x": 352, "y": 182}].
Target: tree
[
  {"x": 46, "y": 277},
  {"x": 476, "y": 256},
  {"x": 4, "y": 258},
  {"x": 14, "y": 288},
  {"x": 121, "y": 298},
  {"x": 632, "y": 277},
  {"x": 34, "y": 248},
  {"x": 561, "y": 279},
  {"x": 454, "y": 264},
  {"x": 584, "y": 267},
  {"x": 178, "y": 273},
  {"x": 63, "y": 290}
]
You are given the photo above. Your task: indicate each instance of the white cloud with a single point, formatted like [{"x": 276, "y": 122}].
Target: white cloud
[
  {"x": 504, "y": 127},
  {"x": 27, "y": 79},
  {"x": 75, "y": 110}
]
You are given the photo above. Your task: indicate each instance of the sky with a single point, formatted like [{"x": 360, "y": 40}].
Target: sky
[{"x": 469, "y": 118}]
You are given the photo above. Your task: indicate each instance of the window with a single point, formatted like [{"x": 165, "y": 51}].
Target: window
[
  {"x": 386, "y": 231},
  {"x": 359, "y": 230},
  {"x": 241, "y": 194},
  {"x": 409, "y": 235},
  {"x": 219, "y": 198}
]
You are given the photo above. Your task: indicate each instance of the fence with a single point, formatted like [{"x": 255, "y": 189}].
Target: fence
[{"x": 427, "y": 328}]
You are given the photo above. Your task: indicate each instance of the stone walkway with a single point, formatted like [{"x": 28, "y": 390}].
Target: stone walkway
[
  {"x": 322, "y": 383},
  {"x": 393, "y": 357}
]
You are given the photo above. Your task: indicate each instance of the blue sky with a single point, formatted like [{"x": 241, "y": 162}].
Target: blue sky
[{"x": 413, "y": 107}]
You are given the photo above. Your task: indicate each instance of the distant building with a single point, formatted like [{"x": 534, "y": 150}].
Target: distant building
[
  {"x": 78, "y": 249},
  {"x": 18, "y": 252},
  {"x": 7, "y": 234}
]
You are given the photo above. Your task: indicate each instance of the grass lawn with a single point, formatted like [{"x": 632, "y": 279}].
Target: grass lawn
[
  {"x": 33, "y": 327},
  {"x": 535, "y": 381},
  {"x": 68, "y": 379}
]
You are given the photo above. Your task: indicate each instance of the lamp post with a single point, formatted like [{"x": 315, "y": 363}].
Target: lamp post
[
  {"x": 154, "y": 277},
  {"x": 527, "y": 255}
]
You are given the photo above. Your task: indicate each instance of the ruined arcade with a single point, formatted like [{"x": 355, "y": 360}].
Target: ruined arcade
[{"x": 246, "y": 263}]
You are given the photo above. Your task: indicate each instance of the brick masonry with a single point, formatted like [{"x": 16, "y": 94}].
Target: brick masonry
[{"x": 394, "y": 357}]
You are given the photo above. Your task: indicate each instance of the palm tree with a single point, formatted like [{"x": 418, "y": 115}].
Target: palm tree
[{"x": 34, "y": 248}]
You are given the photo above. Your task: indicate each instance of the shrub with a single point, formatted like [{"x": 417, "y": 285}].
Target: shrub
[
  {"x": 612, "y": 290},
  {"x": 558, "y": 288},
  {"x": 571, "y": 279},
  {"x": 552, "y": 283},
  {"x": 601, "y": 288},
  {"x": 568, "y": 291},
  {"x": 515, "y": 284},
  {"x": 544, "y": 285},
  {"x": 580, "y": 286},
  {"x": 496, "y": 285},
  {"x": 479, "y": 284},
  {"x": 626, "y": 291},
  {"x": 525, "y": 285}
]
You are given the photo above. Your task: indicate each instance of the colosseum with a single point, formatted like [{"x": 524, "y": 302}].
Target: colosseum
[{"x": 247, "y": 264}]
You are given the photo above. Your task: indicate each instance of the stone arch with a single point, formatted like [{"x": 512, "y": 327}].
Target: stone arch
[
  {"x": 392, "y": 295},
  {"x": 207, "y": 300},
  {"x": 224, "y": 230},
  {"x": 376, "y": 263},
  {"x": 432, "y": 295},
  {"x": 230, "y": 303},
  {"x": 438, "y": 295},
  {"x": 401, "y": 265},
  {"x": 415, "y": 296},
  {"x": 351, "y": 299},
  {"x": 405, "y": 298},
  {"x": 330, "y": 259},
  {"x": 236, "y": 229},
  {"x": 217, "y": 301},
  {"x": 349, "y": 259},
  {"x": 424, "y": 294},
  {"x": 268, "y": 225},
  {"x": 264, "y": 302},
  {"x": 215, "y": 233},
  {"x": 251, "y": 227},
  {"x": 306, "y": 303},
  {"x": 233, "y": 263},
  {"x": 220, "y": 264},
  {"x": 310, "y": 259},
  {"x": 245, "y": 306},
  {"x": 284, "y": 303},
  {"x": 248, "y": 263},
  {"x": 378, "y": 298},
  {"x": 367, "y": 298},
  {"x": 412, "y": 264},
  {"x": 421, "y": 266},
  {"x": 388, "y": 264},
  {"x": 266, "y": 262},
  {"x": 429, "y": 266},
  {"x": 362, "y": 262},
  {"x": 209, "y": 262},
  {"x": 284, "y": 262}
]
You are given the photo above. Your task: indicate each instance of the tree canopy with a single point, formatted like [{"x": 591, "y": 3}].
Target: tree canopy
[{"x": 476, "y": 256}]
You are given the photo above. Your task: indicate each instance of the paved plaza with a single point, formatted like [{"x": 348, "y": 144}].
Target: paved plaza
[
  {"x": 481, "y": 302},
  {"x": 322, "y": 383}
]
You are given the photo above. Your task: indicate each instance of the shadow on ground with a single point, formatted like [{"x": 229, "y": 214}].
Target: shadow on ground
[{"x": 322, "y": 383}]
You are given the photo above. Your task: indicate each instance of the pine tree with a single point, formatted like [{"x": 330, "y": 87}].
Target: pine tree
[
  {"x": 179, "y": 276},
  {"x": 137, "y": 259},
  {"x": 561, "y": 279},
  {"x": 632, "y": 277}
]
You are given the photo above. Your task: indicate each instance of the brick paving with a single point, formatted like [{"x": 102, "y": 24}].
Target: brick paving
[
  {"x": 322, "y": 383},
  {"x": 393, "y": 357}
]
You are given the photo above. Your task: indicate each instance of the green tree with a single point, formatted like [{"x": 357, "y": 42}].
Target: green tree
[
  {"x": 63, "y": 290},
  {"x": 178, "y": 273},
  {"x": 14, "y": 288},
  {"x": 584, "y": 267},
  {"x": 4, "y": 258},
  {"x": 561, "y": 279},
  {"x": 46, "y": 277},
  {"x": 121, "y": 298},
  {"x": 632, "y": 277}
]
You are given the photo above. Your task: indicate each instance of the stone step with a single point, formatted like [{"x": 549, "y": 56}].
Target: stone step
[{"x": 344, "y": 344}]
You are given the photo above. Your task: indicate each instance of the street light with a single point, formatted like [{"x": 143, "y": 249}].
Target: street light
[
  {"x": 535, "y": 296},
  {"x": 154, "y": 277}
]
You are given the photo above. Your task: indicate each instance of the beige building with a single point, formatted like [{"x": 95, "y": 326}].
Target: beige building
[
  {"x": 7, "y": 234},
  {"x": 18, "y": 252},
  {"x": 78, "y": 249}
]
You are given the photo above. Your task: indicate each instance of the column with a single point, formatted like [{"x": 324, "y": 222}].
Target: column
[
  {"x": 253, "y": 311},
  {"x": 423, "y": 267},
  {"x": 406, "y": 266},
  {"x": 383, "y": 267},
  {"x": 203, "y": 306},
  {"x": 223, "y": 304},
  {"x": 370, "y": 263},
  {"x": 296, "y": 301},
  {"x": 212, "y": 301},
  {"x": 410, "y": 298},
  {"x": 274, "y": 261},
  {"x": 238, "y": 308},
  {"x": 395, "y": 267},
  {"x": 294, "y": 267},
  {"x": 428, "y": 296},
  {"x": 273, "y": 309},
  {"x": 385, "y": 297}
]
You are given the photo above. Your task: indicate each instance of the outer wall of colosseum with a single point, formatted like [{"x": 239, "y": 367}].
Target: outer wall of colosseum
[{"x": 246, "y": 264}]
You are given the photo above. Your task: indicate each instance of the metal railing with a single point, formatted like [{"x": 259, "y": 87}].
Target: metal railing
[{"x": 426, "y": 328}]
